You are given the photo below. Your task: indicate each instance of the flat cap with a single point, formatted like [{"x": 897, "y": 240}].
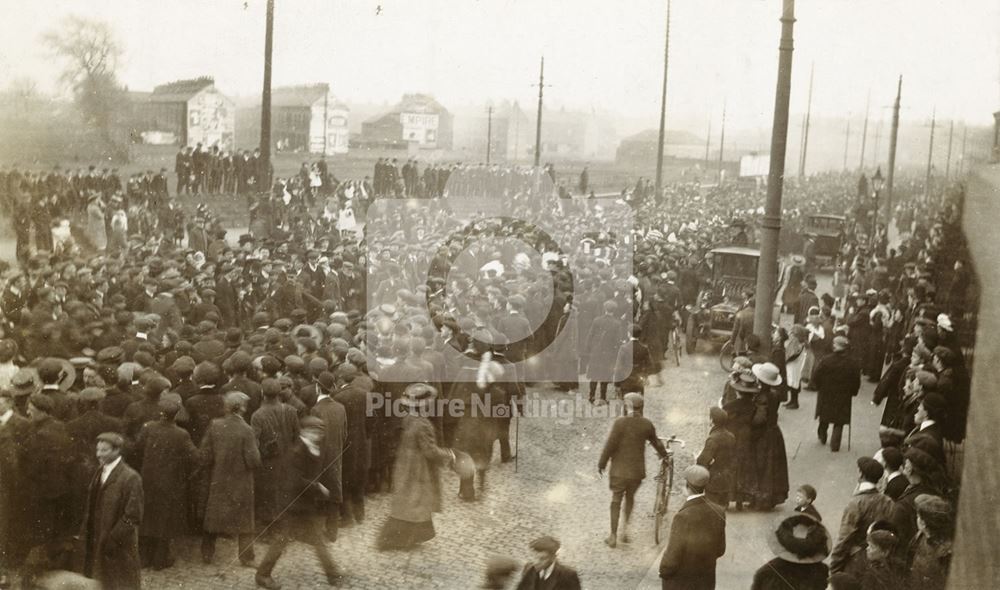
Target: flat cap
[
  {"x": 696, "y": 476},
  {"x": 870, "y": 469},
  {"x": 546, "y": 544}
]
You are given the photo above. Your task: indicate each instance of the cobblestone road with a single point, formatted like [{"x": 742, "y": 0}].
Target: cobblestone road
[{"x": 555, "y": 491}]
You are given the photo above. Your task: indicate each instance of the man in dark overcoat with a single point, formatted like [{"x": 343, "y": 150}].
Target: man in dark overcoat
[
  {"x": 334, "y": 418},
  {"x": 354, "y": 397},
  {"x": 625, "y": 448},
  {"x": 83, "y": 431},
  {"x": 47, "y": 452},
  {"x": 300, "y": 497},
  {"x": 13, "y": 429},
  {"x": 601, "y": 347},
  {"x": 111, "y": 519},
  {"x": 697, "y": 538},
  {"x": 276, "y": 425},
  {"x": 837, "y": 379},
  {"x": 168, "y": 458},
  {"x": 231, "y": 457}
]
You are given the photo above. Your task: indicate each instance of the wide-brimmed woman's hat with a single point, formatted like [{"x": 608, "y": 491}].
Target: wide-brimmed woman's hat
[
  {"x": 418, "y": 395},
  {"x": 800, "y": 539},
  {"x": 767, "y": 373}
]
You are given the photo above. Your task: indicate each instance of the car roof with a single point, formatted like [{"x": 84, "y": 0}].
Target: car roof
[
  {"x": 828, "y": 216},
  {"x": 737, "y": 250}
]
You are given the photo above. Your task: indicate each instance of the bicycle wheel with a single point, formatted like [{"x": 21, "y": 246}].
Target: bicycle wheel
[
  {"x": 726, "y": 356},
  {"x": 660, "y": 507}
]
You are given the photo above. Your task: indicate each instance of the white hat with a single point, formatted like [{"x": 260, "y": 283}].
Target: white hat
[{"x": 944, "y": 322}]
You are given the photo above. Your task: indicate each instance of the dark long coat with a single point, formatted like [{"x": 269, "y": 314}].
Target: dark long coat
[
  {"x": 45, "y": 462},
  {"x": 743, "y": 476},
  {"x": 718, "y": 457},
  {"x": 230, "y": 453},
  {"x": 779, "y": 574},
  {"x": 890, "y": 389},
  {"x": 334, "y": 416},
  {"x": 605, "y": 336},
  {"x": 357, "y": 453},
  {"x": 837, "y": 379},
  {"x": 276, "y": 427},
  {"x": 111, "y": 520},
  {"x": 697, "y": 540},
  {"x": 12, "y": 501},
  {"x": 168, "y": 458},
  {"x": 626, "y": 447}
]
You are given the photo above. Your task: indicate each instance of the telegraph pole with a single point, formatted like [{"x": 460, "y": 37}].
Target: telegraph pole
[
  {"x": 663, "y": 115},
  {"x": 847, "y": 139},
  {"x": 767, "y": 267},
  {"x": 489, "y": 133},
  {"x": 265, "y": 99},
  {"x": 878, "y": 141},
  {"x": 538, "y": 120},
  {"x": 805, "y": 129},
  {"x": 930, "y": 157},
  {"x": 864, "y": 131},
  {"x": 722, "y": 140},
  {"x": 947, "y": 165},
  {"x": 893, "y": 136},
  {"x": 965, "y": 135},
  {"x": 708, "y": 142}
]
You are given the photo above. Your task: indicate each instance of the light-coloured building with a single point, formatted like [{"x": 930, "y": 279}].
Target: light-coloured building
[{"x": 186, "y": 113}]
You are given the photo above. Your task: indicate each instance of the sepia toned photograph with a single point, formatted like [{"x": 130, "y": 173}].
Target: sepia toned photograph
[{"x": 499, "y": 294}]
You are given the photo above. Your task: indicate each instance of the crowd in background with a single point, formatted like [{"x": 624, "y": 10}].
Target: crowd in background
[{"x": 196, "y": 349}]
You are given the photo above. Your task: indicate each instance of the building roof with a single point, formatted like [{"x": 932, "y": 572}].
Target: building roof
[
  {"x": 412, "y": 103},
  {"x": 180, "y": 90},
  {"x": 671, "y": 136},
  {"x": 304, "y": 95}
]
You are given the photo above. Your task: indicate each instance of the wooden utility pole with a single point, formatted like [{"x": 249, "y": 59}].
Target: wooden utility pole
[
  {"x": 930, "y": 158},
  {"x": 722, "y": 141},
  {"x": 708, "y": 142},
  {"x": 538, "y": 120},
  {"x": 658, "y": 188},
  {"x": 265, "y": 102},
  {"x": 893, "y": 136},
  {"x": 864, "y": 132},
  {"x": 847, "y": 140},
  {"x": 489, "y": 133},
  {"x": 767, "y": 267},
  {"x": 961, "y": 162},
  {"x": 805, "y": 128},
  {"x": 947, "y": 164},
  {"x": 878, "y": 141}
]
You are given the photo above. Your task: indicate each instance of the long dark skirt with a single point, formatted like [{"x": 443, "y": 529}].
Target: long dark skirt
[
  {"x": 771, "y": 469},
  {"x": 400, "y": 534}
]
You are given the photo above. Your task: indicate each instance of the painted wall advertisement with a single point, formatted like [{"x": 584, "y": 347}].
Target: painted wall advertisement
[{"x": 420, "y": 128}]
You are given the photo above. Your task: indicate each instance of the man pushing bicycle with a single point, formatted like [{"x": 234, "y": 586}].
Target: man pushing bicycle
[{"x": 626, "y": 449}]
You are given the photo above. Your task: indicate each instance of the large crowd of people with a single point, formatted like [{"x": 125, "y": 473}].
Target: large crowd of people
[{"x": 227, "y": 384}]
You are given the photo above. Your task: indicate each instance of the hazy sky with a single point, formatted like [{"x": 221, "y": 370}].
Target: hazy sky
[{"x": 606, "y": 54}]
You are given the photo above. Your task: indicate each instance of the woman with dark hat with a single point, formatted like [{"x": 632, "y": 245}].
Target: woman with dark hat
[
  {"x": 769, "y": 459},
  {"x": 800, "y": 544},
  {"x": 416, "y": 475},
  {"x": 740, "y": 412}
]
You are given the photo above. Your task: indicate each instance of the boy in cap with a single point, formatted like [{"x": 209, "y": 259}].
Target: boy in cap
[
  {"x": 697, "y": 538},
  {"x": 545, "y": 572}
]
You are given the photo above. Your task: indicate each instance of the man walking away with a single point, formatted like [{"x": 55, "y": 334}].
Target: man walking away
[
  {"x": 626, "y": 449},
  {"x": 837, "y": 379}
]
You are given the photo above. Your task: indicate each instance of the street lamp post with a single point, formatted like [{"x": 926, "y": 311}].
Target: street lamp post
[{"x": 876, "y": 186}]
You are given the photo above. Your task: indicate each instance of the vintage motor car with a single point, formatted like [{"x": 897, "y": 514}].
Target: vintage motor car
[
  {"x": 827, "y": 232},
  {"x": 734, "y": 273}
]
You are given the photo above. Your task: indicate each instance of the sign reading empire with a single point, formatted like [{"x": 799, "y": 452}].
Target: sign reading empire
[{"x": 421, "y": 128}]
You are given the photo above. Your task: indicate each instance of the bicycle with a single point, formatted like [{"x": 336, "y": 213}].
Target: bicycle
[
  {"x": 664, "y": 483},
  {"x": 675, "y": 344}
]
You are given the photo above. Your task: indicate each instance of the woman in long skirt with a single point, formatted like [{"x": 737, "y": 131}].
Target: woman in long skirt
[
  {"x": 416, "y": 475},
  {"x": 770, "y": 461}
]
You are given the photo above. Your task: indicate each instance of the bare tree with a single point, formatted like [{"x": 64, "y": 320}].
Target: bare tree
[{"x": 91, "y": 52}]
